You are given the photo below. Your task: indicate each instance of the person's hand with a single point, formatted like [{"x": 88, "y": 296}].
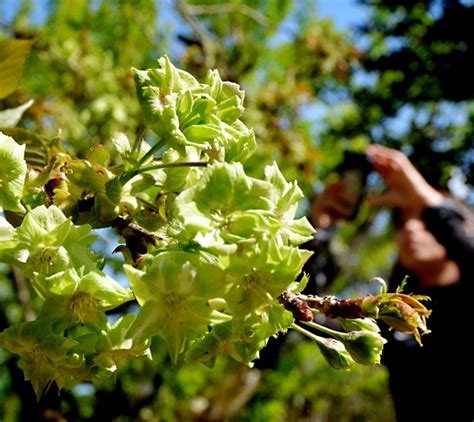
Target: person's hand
[
  {"x": 406, "y": 187},
  {"x": 333, "y": 205}
]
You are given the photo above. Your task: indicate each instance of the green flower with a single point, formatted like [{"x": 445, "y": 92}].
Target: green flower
[
  {"x": 225, "y": 206},
  {"x": 72, "y": 298},
  {"x": 45, "y": 357},
  {"x": 365, "y": 346},
  {"x": 12, "y": 174},
  {"x": 285, "y": 197},
  {"x": 175, "y": 295},
  {"x": 261, "y": 270},
  {"x": 334, "y": 349},
  {"x": 228, "y": 96},
  {"x": 157, "y": 91},
  {"x": 359, "y": 324},
  {"x": 184, "y": 113},
  {"x": 249, "y": 224},
  {"x": 241, "y": 338},
  {"x": 48, "y": 243},
  {"x": 227, "y": 209},
  {"x": 115, "y": 348}
]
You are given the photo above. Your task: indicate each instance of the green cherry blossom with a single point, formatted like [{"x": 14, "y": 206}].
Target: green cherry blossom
[
  {"x": 174, "y": 295},
  {"x": 45, "y": 356}
]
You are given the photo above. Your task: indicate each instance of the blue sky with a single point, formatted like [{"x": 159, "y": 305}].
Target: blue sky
[{"x": 345, "y": 13}]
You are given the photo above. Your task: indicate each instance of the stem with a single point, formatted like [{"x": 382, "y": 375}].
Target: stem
[
  {"x": 148, "y": 204},
  {"x": 132, "y": 173},
  {"x": 161, "y": 143},
  {"x": 116, "y": 168},
  {"x": 171, "y": 165},
  {"x": 306, "y": 333},
  {"x": 208, "y": 46},
  {"x": 336, "y": 334},
  {"x": 138, "y": 139}
]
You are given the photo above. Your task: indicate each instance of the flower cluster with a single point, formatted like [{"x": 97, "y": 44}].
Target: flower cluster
[{"x": 208, "y": 249}]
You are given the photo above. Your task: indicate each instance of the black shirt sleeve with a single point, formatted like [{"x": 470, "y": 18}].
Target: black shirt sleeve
[{"x": 448, "y": 227}]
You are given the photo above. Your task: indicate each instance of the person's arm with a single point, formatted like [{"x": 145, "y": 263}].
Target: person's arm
[{"x": 406, "y": 188}]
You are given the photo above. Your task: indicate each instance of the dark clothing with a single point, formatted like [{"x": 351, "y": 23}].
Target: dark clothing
[{"x": 435, "y": 382}]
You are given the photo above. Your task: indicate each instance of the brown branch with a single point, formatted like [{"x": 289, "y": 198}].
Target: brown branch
[
  {"x": 208, "y": 45},
  {"x": 335, "y": 308},
  {"x": 300, "y": 309},
  {"x": 302, "y": 305},
  {"x": 212, "y": 9}
]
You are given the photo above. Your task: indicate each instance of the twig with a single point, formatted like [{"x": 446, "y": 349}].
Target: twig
[
  {"x": 302, "y": 305},
  {"x": 212, "y": 9},
  {"x": 201, "y": 32}
]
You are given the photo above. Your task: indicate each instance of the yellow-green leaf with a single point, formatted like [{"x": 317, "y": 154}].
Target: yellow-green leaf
[
  {"x": 11, "y": 116},
  {"x": 13, "y": 55},
  {"x": 37, "y": 147}
]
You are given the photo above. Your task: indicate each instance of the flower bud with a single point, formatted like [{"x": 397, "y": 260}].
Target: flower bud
[
  {"x": 359, "y": 324},
  {"x": 335, "y": 353},
  {"x": 365, "y": 347}
]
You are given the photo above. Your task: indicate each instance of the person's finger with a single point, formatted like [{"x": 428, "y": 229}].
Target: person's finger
[
  {"x": 385, "y": 170},
  {"x": 380, "y": 152}
]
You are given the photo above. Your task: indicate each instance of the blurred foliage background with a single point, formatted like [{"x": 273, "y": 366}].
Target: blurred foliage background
[{"x": 403, "y": 78}]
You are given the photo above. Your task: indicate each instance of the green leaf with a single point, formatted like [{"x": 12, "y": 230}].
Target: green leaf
[
  {"x": 99, "y": 155},
  {"x": 12, "y": 174},
  {"x": 7, "y": 232},
  {"x": 86, "y": 177},
  {"x": 121, "y": 143},
  {"x": 36, "y": 146},
  {"x": 13, "y": 55},
  {"x": 11, "y": 116}
]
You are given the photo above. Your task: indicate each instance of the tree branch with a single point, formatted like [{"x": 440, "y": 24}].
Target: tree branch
[
  {"x": 201, "y": 32},
  {"x": 211, "y": 9}
]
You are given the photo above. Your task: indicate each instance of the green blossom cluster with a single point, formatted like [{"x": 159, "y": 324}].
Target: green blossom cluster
[
  {"x": 54, "y": 254},
  {"x": 232, "y": 240},
  {"x": 208, "y": 250}
]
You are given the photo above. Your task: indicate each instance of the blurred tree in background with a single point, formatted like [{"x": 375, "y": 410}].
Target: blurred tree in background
[
  {"x": 417, "y": 63},
  {"x": 311, "y": 93}
]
